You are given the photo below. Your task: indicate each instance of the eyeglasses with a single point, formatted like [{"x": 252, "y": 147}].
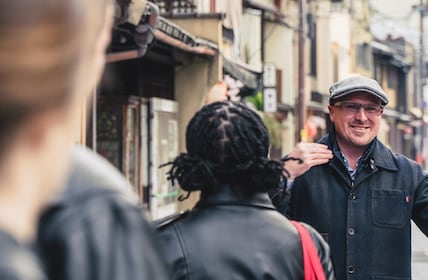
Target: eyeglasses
[{"x": 369, "y": 109}]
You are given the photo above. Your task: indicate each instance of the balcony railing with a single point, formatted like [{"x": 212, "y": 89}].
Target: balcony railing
[{"x": 176, "y": 7}]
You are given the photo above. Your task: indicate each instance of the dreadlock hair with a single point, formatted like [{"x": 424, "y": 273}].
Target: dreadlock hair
[{"x": 227, "y": 142}]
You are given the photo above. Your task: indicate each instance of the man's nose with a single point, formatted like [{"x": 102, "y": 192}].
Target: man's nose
[{"x": 361, "y": 114}]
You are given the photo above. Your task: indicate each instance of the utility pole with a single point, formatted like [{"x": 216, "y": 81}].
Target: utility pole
[
  {"x": 301, "y": 101},
  {"x": 422, "y": 10}
]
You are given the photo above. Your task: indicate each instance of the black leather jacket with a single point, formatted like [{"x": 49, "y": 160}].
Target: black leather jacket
[
  {"x": 232, "y": 235},
  {"x": 97, "y": 230}
]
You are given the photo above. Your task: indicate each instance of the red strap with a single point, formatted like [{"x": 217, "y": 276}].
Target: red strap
[{"x": 311, "y": 261}]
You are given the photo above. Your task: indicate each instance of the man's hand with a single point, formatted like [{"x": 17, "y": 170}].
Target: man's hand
[
  {"x": 311, "y": 154},
  {"x": 217, "y": 92}
]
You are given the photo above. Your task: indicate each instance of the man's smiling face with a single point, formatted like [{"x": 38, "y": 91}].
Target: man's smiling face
[{"x": 356, "y": 126}]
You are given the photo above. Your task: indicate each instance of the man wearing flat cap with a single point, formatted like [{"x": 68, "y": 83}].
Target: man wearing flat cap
[{"x": 354, "y": 190}]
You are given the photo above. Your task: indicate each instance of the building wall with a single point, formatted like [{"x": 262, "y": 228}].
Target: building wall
[
  {"x": 251, "y": 38},
  {"x": 391, "y": 92},
  {"x": 361, "y": 36},
  {"x": 194, "y": 79},
  {"x": 411, "y": 90},
  {"x": 324, "y": 50},
  {"x": 279, "y": 52},
  {"x": 333, "y": 46},
  {"x": 191, "y": 86},
  {"x": 208, "y": 28},
  {"x": 341, "y": 38}
]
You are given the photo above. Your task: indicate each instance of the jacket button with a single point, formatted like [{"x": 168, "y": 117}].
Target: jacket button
[
  {"x": 352, "y": 196},
  {"x": 351, "y": 231},
  {"x": 351, "y": 269}
]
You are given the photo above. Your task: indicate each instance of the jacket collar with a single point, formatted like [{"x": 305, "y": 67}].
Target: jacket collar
[
  {"x": 377, "y": 154},
  {"x": 232, "y": 195},
  {"x": 382, "y": 157}
]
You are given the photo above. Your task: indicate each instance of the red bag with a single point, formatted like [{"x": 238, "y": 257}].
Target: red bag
[{"x": 311, "y": 261}]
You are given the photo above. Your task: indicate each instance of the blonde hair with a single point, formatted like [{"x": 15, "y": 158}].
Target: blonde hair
[{"x": 43, "y": 48}]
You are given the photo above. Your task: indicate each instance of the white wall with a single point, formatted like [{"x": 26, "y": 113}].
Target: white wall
[{"x": 251, "y": 38}]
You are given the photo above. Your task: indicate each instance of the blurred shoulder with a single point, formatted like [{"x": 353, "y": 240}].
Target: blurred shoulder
[
  {"x": 17, "y": 261},
  {"x": 96, "y": 192},
  {"x": 92, "y": 171}
]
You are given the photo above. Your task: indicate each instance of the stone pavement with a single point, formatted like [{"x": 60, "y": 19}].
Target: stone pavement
[{"x": 419, "y": 254}]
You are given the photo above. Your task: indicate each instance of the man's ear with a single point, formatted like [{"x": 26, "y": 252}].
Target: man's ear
[{"x": 331, "y": 112}]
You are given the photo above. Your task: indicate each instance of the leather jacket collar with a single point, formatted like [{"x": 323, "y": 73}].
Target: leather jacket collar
[{"x": 232, "y": 195}]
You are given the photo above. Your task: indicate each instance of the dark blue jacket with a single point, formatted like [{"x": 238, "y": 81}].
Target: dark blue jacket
[{"x": 366, "y": 222}]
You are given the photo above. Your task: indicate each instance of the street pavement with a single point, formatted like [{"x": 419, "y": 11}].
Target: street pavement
[{"x": 419, "y": 254}]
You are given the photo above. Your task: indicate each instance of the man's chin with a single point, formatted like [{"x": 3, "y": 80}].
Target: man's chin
[{"x": 361, "y": 142}]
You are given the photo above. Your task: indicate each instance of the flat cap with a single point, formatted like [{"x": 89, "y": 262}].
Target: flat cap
[{"x": 357, "y": 83}]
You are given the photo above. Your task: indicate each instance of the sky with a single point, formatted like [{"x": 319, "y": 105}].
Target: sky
[
  {"x": 398, "y": 18},
  {"x": 394, "y": 8}
]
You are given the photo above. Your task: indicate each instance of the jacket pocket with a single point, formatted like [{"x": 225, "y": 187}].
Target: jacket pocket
[{"x": 389, "y": 208}]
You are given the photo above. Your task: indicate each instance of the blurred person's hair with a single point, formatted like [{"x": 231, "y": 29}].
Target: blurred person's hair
[
  {"x": 44, "y": 48},
  {"x": 227, "y": 143}
]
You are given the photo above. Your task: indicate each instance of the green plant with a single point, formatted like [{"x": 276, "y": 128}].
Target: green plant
[
  {"x": 256, "y": 100},
  {"x": 269, "y": 120},
  {"x": 274, "y": 128}
]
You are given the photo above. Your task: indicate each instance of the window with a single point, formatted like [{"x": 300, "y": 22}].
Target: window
[
  {"x": 392, "y": 77},
  {"x": 363, "y": 56},
  {"x": 378, "y": 73}
]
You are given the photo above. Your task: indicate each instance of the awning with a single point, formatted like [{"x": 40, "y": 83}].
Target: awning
[
  {"x": 239, "y": 72},
  {"x": 124, "y": 45},
  {"x": 394, "y": 56},
  {"x": 381, "y": 48},
  {"x": 397, "y": 115},
  {"x": 317, "y": 106},
  {"x": 285, "y": 107},
  {"x": 415, "y": 112},
  {"x": 175, "y": 36}
]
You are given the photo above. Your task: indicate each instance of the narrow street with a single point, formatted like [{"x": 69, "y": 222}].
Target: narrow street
[{"x": 419, "y": 254}]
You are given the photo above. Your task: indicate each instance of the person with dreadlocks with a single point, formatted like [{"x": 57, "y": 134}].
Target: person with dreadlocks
[{"x": 234, "y": 231}]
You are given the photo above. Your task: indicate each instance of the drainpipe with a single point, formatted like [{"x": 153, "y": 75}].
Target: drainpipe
[
  {"x": 301, "y": 101},
  {"x": 262, "y": 43},
  {"x": 421, "y": 78}
]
